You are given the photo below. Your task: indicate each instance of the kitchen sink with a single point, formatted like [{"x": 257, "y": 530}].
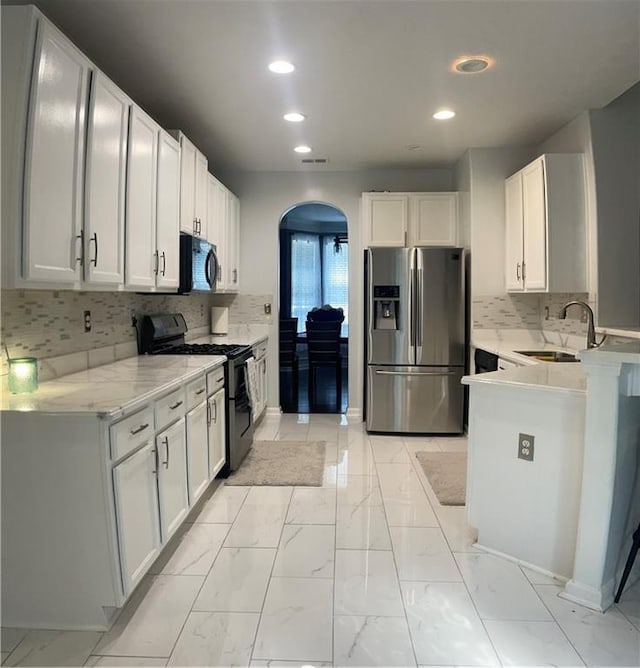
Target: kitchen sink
[{"x": 548, "y": 355}]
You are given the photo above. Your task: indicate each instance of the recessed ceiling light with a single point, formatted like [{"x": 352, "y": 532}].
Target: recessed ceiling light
[
  {"x": 302, "y": 149},
  {"x": 472, "y": 64},
  {"x": 281, "y": 67},
  {"x": 294, "y": 117},
  {"x": 444, "y": 114}
]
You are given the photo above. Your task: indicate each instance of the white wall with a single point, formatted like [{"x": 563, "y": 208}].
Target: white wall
[{"x": 265, "y": 196}]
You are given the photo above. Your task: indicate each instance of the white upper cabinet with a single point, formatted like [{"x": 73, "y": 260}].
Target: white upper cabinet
[
  {"x": 193, "y": 187},
  {"x": 410, "y": 219},
  {"x": 233, "y": 242},
  {"x": 142, "y": 171},
  {"x": 53, "y": 175},
  {"x": 105, "y": 171},
  {"x": 433, "y": 219},
  {"x": 168, "y": 213},
  {"x": 546, "y": 226},
  {"x": 202, "y": 179}
]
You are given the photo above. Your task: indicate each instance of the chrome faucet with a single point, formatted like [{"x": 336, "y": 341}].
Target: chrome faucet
[{"x": 591, "y": 332}]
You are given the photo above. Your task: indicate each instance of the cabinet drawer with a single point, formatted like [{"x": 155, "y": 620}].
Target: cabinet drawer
[
  {"x": 131, "y": 432},
  {"x": 215, "y": 380},
  {"x": 170, "y": 408},
  {"x": 196, "y": 392}
]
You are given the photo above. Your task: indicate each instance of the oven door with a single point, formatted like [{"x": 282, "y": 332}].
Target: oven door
[{"x": 240, "y": 415}]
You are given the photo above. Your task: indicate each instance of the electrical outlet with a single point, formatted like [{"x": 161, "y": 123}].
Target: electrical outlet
[
  {"x": 267, "y": 309},
  {"x": 87, "y": 321},
  {"x": 525, "y": 447}
]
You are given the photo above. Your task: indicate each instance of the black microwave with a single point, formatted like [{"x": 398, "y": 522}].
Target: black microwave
[{"x": 198, "y": 265}]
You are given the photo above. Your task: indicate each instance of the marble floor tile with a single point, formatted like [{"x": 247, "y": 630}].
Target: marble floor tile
[
  {"x": 372, "y": 641},
  {"x": 630, "y": 604},
  {"x": 423, "y": 554},
  {"x": 500, "y": 590},
  {"x": 53, "y": 648},
  {"x": 327, "y": 433},
  {"x": 352, "y": 437},
  {"x": 151, "y": 623},
  {"x": 453, "y": 522},
  {"x": 216, "y": 639},
  {"x": 257, "y": 526},
  {"x": 532, "y": 644},
  {"x": 237, "y": 581},
  {"x": 3, "y": 657},
  {"x": 196, "y": 549},
  {"x": 444, "y": 625},
  {"x": 267, "y": 496},
  {"x": 296, "y": 620},
  {"x": 607, "y": 639},
  {"x": 11, "y": 637},
  {"x": 362, "y": 528},
  {"x": 358, "y": 490},
  {"x": 400, "y": 483},
  {"x": 452, "y": 443},
  {"x": 224, "y": 505},
  {"x": 415, "y": 444},
  {"x": 312, "y": 505},
  {"x": 366, "y": 584},
  {"x": 391, "y": 451},
  {"x": 305, "y": 551},
  {"x": 124, "y": 661},
  {"x": 417, "y": 513},
  {"x": 292, "y": 432},
  {"x": 275, "y": 663},
  {"x": 535, "y": 577},
  {"x": 356, "y": 461},
  {"x": 267, "y": 430}
]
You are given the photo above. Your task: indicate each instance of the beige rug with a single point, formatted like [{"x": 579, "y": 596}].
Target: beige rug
[
  {"x": 299, "y": 463},
  {"x": 447, "y": 475}
]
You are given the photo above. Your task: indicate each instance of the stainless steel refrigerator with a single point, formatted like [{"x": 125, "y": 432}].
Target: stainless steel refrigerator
[{"x": 415, "y": 339}]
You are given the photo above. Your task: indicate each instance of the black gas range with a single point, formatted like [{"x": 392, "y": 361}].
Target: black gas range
[{"x": 163, "y": 334}]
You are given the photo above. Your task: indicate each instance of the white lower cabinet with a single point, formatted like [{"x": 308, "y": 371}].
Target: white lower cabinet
[
  {"x": 216, "y": 428},
  {"x": 197, "y": 451},
  {"x": 172, "y": 478},
  {"x": 136, "y": 500}
]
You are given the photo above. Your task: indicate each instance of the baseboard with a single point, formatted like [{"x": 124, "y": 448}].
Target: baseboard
[
  {"x": 354, "y": 414},
  {"x": 556, "y": 576},
  {"x": 590, "y": 597},
  {"x": 273, "y": 411}
]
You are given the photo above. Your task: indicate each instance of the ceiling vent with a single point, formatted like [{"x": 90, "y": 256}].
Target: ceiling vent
[{"x": 314, "y": 161}]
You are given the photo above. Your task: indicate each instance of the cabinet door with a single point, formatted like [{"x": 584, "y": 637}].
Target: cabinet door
[
  {"x": 142, "y": 172},
  {"x": 187, "y": 185},
  {"x": 535, "y": 227},
  {"x": 434, "y": 219},
  {"x": 385, "y": 219},
  {"x": 172, "y": 478},
  {"x": 168, "y": 212},
  {"x": 222, "y": 216},
  {"x": 197, "y": 451},
  {"x": 215, "y": 217},
  {"x": 52, "y": 217},
  {"x": 217, "y": 442},
  {"x": 514, "y": 252},
  {"x": 233, "y": 243},
  {"x": 136, "y": 501},
  {"x": 105, "y": 182},
  {"x": 201, "y": 195}
]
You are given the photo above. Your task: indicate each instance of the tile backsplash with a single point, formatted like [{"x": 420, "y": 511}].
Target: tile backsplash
[
  {"x": 529, "y": 311},
  {"x": 246, "y": 309},
  {"x": 43, "y": 323}
]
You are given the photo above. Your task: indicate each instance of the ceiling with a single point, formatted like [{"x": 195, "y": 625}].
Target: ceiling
[{"x": 369, "y": 74}]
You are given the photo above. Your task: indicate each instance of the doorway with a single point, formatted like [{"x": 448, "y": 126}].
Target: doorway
[{"x": 314, "y": 284}]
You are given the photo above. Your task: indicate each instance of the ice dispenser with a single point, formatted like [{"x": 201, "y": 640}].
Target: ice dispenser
[{"x": 386, "y": 303}]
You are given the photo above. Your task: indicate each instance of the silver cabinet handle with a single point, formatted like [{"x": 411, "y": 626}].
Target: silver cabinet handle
[
  {"x": 164, "y": 263},
  {"x": 523, "y": 272},
  {"x": 518, "y": 271},
  {"x": 178, "y": 403},
  {"x": 81, "y": 238},
  {"x": 215, "y": 411},
  {"x": 166, "y": 445},
  {"x": 415, "y": 373},
  {"x": 235, "y": 275},
  {"x": 155, "y": 460},
  {"x": 219, "y": 273},
  {"x": 142, "y": 427},
  {"x": 200, "y": 391},
  {"x": 195, "y": 226},
  {"x": 208, "y": 413},
  {"x": 95, "y": 241},
  {"x": 157, "y": 259}
]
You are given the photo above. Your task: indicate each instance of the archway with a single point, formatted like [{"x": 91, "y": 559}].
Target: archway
[{"x": 313, "y": 279}]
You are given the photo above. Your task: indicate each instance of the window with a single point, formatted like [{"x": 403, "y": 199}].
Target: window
[{"x": 319, "y": 275}]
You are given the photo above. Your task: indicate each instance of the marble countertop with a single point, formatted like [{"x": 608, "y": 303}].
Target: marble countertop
[
  {"x": 612, "y": 353},
  {"x": 113, "y": 389},
  {"x": 532, "y": 373}
]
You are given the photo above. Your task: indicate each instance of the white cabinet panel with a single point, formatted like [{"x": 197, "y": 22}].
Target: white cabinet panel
[
  {"x": 187, "y": 185},
  {"x": 172, "y": 478},
  {"x": 136, "y": 501},
  {"x": 197, "y": 451},
  {"x": 434, "y": 219},
  {"x": 385, "y": 219},
  {"x": 513, "y": 233},
  {"x": 233, "y": 243},
  {"x": 168, "y": 212},
  {"x": 217, "y": 418},
  {"x": 105, "y": 182},
  {"x": 534, "y": 226},
  {"x": 140, "y": 239},
  {"x": 52, "y": 220},
  {"x": 201, "y": 195}
]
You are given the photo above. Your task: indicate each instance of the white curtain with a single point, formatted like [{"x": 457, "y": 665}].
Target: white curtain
[
  {"x": 306, "y": 288},
  {"x": 335, "y": 276}
]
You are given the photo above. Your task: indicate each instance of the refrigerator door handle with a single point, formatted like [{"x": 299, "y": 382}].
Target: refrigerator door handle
[
  {"x": 412, "y": 312},
  {"x": 379, "y": 372}
]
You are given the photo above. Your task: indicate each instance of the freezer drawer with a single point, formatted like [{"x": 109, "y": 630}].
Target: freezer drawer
[{"x": 412, "y": 399}]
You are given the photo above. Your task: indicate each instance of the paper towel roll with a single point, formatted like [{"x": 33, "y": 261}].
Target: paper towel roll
[{"x": 219, "y": 320}]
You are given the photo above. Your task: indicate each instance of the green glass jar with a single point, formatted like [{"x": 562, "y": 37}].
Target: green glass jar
[{"x": 23, "y": 375}]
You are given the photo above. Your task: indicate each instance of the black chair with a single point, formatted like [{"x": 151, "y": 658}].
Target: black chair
[
  {"x": 288, "y": 352},
  {"x": 326, "y": 314},
  {"x": 323, "y": 348},
  {"x": 635, "y": 546}
]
